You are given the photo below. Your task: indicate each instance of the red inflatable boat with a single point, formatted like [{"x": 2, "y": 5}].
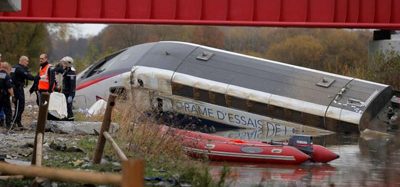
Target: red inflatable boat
[{"x": 298, "y": 150}]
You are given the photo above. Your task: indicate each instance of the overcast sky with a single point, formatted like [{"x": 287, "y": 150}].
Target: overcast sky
[{"x": 85, "y": 30}]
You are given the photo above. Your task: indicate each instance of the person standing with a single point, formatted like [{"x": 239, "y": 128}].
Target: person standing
[
  {"x": 45, "y": 80},
  {"x": 69, "y": 84},
  {"x": 6, "y": 91},
  {"x": 19, "y": 75},
  {"x": 2, "y": 115}
]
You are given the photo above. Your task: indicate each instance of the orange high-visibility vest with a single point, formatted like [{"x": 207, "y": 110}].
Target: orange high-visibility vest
[{"x": 44, "y": 81}]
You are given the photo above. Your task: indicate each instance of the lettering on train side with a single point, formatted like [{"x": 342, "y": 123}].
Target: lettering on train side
[{"x": 232, "y": 117}]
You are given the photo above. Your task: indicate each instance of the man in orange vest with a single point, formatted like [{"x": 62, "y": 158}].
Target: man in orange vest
[{"x": 45, "y": 80}]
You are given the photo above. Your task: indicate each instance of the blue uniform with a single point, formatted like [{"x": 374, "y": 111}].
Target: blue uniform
[
  {"x": 5, "y": 84},
  {"x": 19, "y": 75},
  {"x": 68, "y": 89}
]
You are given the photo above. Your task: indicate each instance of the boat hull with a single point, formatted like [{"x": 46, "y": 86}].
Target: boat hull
[{"x": 220, "y": 148}]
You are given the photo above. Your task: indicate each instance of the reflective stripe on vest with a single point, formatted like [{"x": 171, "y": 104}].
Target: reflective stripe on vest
[{"x": 44, "y": 78}]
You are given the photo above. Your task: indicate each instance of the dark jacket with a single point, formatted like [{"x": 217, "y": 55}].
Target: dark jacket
[
  {"x": 69, "y": 81},
  {"x": 19, "y": 75},
  {"x": 5, "y": 84},
  {"x": 52, "y": 76}
]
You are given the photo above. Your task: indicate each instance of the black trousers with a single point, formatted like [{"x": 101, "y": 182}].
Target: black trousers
[
  {"x": 19, "y": 104},
  {"x": 69, "y": 105},
  {"x": 6, "y": 105}
]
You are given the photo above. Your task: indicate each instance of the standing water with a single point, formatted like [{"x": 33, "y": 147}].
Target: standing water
[{"x": 366, "y": 160}]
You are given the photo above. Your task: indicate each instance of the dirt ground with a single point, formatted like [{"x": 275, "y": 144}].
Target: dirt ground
[{"x": 17, "y": 144}]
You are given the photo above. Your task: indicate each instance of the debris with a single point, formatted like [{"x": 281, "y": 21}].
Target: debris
[
  {"x": 58, "y": 105},
  {"x": 18, "y": 162},
  {"x": 77, "y": 163},
  {"x": 76, "y": 127},
  {"x": 9, "y": 177},
  {"x": 99, "y": 107},
  {"x": 369, "y": 134},
  {"x": 64, "y": 147},
  {"x": 58, "y": 147},
  {"x": 74, "y": 149}
]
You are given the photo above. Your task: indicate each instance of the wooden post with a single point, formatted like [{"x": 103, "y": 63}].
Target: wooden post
[
  {"x": 120, "y": 153},
  {"x": 105, "y": 126},
  {"x": 65, "y": 175},
  {"x": 39, "y": 156},
  {"x": 41, "y": 124},
  {"x": 39, "y": 150},
  {"x": 132, "y": 173}
]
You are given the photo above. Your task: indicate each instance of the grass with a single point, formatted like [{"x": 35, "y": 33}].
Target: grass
[{"x": 140, "y": 137}]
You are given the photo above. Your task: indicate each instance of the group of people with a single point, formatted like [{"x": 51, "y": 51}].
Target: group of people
[{"x": 13, "y": 80}]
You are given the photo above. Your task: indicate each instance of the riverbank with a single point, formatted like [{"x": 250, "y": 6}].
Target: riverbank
[{"x": 138, "y": 136}]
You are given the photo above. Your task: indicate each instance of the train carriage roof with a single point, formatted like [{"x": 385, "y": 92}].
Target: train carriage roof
[{"x": 261, "y": 75}]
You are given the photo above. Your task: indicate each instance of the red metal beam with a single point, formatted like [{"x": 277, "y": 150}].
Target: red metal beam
[{"x": 375, "y": 14}]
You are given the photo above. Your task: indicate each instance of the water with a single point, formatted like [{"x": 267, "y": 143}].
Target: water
[{"x": 368, "y": 160}]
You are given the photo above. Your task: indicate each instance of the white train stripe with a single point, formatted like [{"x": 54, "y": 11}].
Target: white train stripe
[{"x": 240, "y": 155}]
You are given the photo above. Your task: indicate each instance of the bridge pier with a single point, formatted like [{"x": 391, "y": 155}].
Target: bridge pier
[{"x": 385, "y": 42}]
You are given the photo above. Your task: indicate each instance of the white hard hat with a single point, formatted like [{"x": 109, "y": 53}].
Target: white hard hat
[{"x": 67, "y": 59}]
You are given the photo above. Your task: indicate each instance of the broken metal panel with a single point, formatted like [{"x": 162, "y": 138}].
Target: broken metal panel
[
  {"x": 152, "y": 78},
  {"x": 142, "y": 99},
  {"x": 357, "y": 95}
]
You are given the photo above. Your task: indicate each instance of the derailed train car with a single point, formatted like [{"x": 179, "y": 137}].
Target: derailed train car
[{"x": 237, "y": 90}]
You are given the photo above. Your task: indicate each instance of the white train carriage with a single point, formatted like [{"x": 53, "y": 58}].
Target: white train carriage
[{"x": 235, "y": 89}]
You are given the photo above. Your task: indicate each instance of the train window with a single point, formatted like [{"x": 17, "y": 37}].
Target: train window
[
  {"x": 313, "y": 120},
  {"x": 94, "y": 69},
  {"x": 217, "y": 98},
  {"x": 276, "y": 112},
  {"x": 100, "y": 66},
  {"x": 205, "y": 56},
  {"x": 258, "y": 108},
  {"x": 238, "y": 103},
  {"x": 347, "y": 127},
  {"x": 201, "y": 95},
  {"x": 340, "y": 126},
  {"x": 182, "y": 90},
  {"x": 294, "y": 116},
  {"x": 325, "y": 82}
]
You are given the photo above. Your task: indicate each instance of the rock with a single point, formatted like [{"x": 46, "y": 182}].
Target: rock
[
  {"x": 76, "y": 127},
  {"x": 74, "y": 149},
  {"x": 369, "y": 134},
  {"x": 58, "y": 147},
  {"x": 77, "y": 163},
  {"x": 18, "y": 162}
]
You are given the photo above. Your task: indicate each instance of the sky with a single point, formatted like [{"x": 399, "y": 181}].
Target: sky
[{"x": 86, "y": 30}]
